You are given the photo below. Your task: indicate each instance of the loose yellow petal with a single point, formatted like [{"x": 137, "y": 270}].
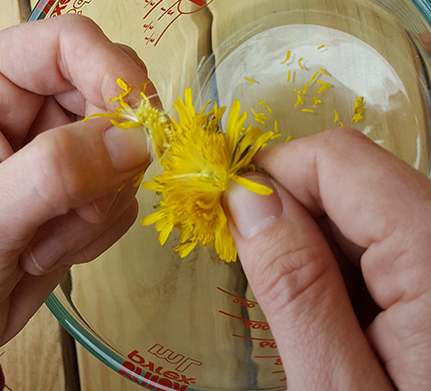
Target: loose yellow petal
[
  {"x": 358, "y": 110},
  {"x": 317, "y": 101},
  {"x": 324, "y": 86},
  {"x": 324, "y": 71},
  {"x": 250, "y": 80},
  {"x": 260, "y": 118},
  {"x": 252, "y": 186},
  {"x": 301, "y": 64},
  {"x": 265, "y": 105},
  {"x": 299, "y": 100},
  {"x": 287, "y": 57},
  {"x": 306, "y": 110}
]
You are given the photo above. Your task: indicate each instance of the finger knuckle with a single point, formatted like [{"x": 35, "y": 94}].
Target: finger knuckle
[
  {"x": 77, "y": 23},
  {"x": 283, "y": 276},
  {"x": 56, "y": 181}
]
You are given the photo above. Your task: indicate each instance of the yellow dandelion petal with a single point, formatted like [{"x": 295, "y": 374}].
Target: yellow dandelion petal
[
  {"x": 307, "y": 110},
  {"x": 126, "y": 90},
  {"x": 324, "y": 71},
  {"x": 246, "y": 159},
  {"x": 124, "y": 124},
  {"x": 358, "y": 110},
  {"x": 314, "y": 78},
  {"x": 324, "y": 86},
  {"x": 287, "y": 57},
  {"x": 321, "y": 46},
  {"x": 336, "y": 117},
  {"x": 224, "y": 244},
  {"x": 101, "y": 115},
  {"x": 235, "y": 124},
  {"x": 252, "y": 186},
  {"x": 265, "y": 105},
  {"x": 288, "y": 139},
  {"x": 317, "y": 101},
  {"x": 260, "y": 118},
  {"x": 250, "y": 80},
  {"x": 299, "y": 100},
  {"x": 301, "y": 64},
  {"x": 153, "y": 186},
  {"x": 153, "y": 218},
  {"x": 138, "y": 179},
  {"x": 185, "y": 249},
  {"x": 165, "y": 233}
]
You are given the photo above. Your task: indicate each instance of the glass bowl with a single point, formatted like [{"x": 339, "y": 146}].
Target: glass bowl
[{"x": 194, "y": 324}]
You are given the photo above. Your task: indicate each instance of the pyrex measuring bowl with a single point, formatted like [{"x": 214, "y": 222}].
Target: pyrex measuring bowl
[{"x": 194, "y": 324}]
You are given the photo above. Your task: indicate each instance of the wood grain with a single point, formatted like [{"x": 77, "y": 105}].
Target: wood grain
[
  {"x": 13, "y": 12},
  {"x": 33, "y": 361}
]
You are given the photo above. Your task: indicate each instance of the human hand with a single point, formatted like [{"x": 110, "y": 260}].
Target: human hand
[
  {"x": 379, "y": 213},
  {"x": 59, "y": 203}
]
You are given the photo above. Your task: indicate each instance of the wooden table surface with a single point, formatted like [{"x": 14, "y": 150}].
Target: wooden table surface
[{"x": 43, "y": 357}]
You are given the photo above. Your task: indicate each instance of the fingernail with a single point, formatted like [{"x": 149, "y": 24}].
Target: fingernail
[
  {"x": 253, "y": 213},
  {"x": 128, "y": 148}
]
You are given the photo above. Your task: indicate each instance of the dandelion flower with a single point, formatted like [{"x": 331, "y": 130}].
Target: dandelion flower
[
  {"x": 144, "y": 116},
  {"x": 200, "y": 164}
]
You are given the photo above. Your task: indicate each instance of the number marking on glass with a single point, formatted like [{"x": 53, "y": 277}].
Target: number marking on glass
[
  {"x": 251, "y": 324},
  {"x": 265, "y": 343},
  {"x": 239, "y": 300},
  {"x": 162, "y": 14}
]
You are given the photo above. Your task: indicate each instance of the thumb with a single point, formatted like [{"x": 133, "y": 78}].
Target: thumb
[
  {"x": 295, "y": 278},
  {"x": 61, "y": 170}
]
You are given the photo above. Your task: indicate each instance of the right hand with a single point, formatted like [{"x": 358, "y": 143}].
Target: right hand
[{"x": 378, "y": 210}]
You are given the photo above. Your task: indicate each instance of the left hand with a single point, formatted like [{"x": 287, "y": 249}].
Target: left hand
[{"x": 59, "y": 203}]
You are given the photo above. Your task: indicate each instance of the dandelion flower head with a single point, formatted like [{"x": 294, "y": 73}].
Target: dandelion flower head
[{"x": 200, "y": 161}]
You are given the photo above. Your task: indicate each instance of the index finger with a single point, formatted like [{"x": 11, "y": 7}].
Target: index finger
[
  {"x": 64, "y": 53},
  {"x": 376, "y": 200}
]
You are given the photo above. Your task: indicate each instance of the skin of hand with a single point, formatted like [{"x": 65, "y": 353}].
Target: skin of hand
[
  {"x": 379, "y": 213},
  {"x": 59, "y": 177}
]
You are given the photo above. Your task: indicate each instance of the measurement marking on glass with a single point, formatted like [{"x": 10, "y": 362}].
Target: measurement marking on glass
[
  {"x": 239, "y": 300},
  {"x": 276, "y": 362},
  {"x": 253, "y": 324},
  {"x": 264, "y": 342}
]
